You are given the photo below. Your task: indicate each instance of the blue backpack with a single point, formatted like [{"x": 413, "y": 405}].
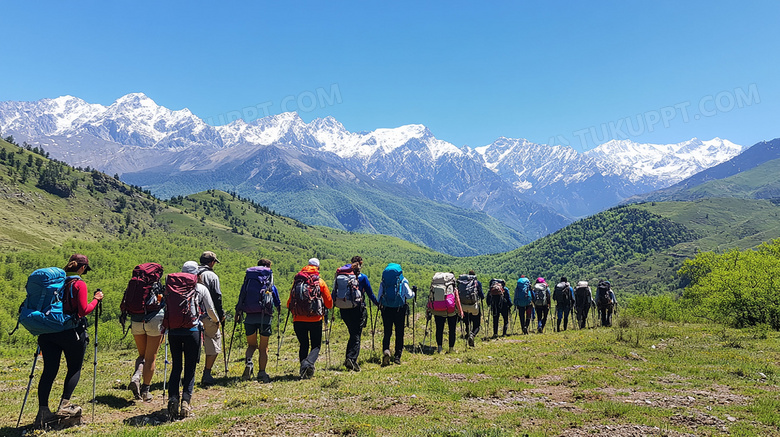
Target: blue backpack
[
  {"x": 256, "y": 294},
  {"x": 42, "y": 310},
  {"x": 523, "y": 292},
  {"x": 392, "y": 278}
]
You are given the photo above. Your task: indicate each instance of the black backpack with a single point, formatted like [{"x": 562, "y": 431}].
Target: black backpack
[{"x": 604, "y": 297}]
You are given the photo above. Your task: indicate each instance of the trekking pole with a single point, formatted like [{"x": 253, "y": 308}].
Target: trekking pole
[
  {"x": 230, "y": 348},
  {"x": 278, "y": 335},
  {"x": 425, "y": 335},
  {"x": 371, "y": 322},
  {"x": 29, "y": 383},
  {"x": 327, "y": 339},
  {"x": 98, "y": 310},
  {"x": 224, "y": 356},
  {"x": 279, "y": 348},
  {"x": 414, "y": 323}
]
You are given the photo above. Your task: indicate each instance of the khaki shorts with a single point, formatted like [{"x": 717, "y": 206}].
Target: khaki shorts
[
  {"x": 152, "y": 328},
  {"x": 212, "y": 337},
  {"x": 470, "y": 308}
]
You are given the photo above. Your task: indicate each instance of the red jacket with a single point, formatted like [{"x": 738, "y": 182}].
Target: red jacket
[
  {"x": 77, "y": 302},
  {"x": 327, "y": 300}
]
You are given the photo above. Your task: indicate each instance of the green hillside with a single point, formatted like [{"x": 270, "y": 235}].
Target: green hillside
[{"x": 761, "y": 182}]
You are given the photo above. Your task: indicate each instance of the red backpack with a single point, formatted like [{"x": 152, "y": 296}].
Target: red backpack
[
  {"x": 180, "y": 289},
  {"x": 142, "y": 290},
  {"x": 305, "y": 296}
]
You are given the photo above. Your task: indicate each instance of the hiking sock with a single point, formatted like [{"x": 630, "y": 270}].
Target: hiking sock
[{"x": 250, "y": 352}]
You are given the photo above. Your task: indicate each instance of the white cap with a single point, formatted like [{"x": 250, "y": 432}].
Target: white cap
[
  {"x": 314, "y": 262},
  {"x": 190, "y": 267}
]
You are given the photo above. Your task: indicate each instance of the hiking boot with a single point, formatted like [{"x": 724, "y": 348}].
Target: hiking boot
[
  {"x": 135, "y": 388},
  {"x": 186, "y": 410},
  {"x": 351, "y": 364},
  {"x": 146, "y": 395},
  {"x": 263, "y": 377},
  {"x": 249, "y": 371},
  {"x": 173, "y": 408},
  {"x": 207, "y": 379},
  {"x": 438, "y": 349},
  {"x": 450, "y": 350},
  {"x": 307, "y": 372},
  {"x": 397, "y": 360},
  {"x": 386, "y": 358},
  {"x": 66, "y": 409},
  {"x": 540, "y": 330},
  {"x": 355, "y": 366},
  {"x": 44, "y": 418},
  {"x": 471, "y": 340}
]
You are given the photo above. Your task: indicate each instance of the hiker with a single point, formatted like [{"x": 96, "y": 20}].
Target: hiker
[
  {"x": 606, "y": 302},
  {"x": 255, "y": 307},
  {"x": 143, "y": 302},
  {"x": 350, "y": 289},
  {"x": 184, "y": 333},
  {"x": 71, "y": 342},
  {"x": 212, "y": 334},
  {"x": 308, "y": 300},
  {"x": 583, "y": 299},
  {"x": 471, "y": 297},
  {"x": 524, "y": 301},
  {"x": 541, "y": 294},
  {"x": 393, "y": 292},
  {"x": 444, "y": 305},
  {"x": 563, "y": 295},
  {"x": 500, "y": 304}
]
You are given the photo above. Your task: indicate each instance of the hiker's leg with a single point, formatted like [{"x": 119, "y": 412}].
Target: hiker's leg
[
  {"x": 176, "y": 343},
  {"x": 212, "y": 343},
  {"x": 352, "y": 319},
  {"x": 263, "y": 346},
  {"x": 315, "y": 333},
  {"x": 399, "y": 330},
  {"x": 302, "y": 333},
  {"x": 495, "y": 313},
  {"x": 251, "y": 341},
  {"x": 191, "y": 347},
  {"x": 387, "y": 327},
  {"x": 52, "y": 352},
  {"x": 476, "y": 320},
  {"x": 453, "y": 324},
  {"x": 150, "y": 357},
  {"x": 439, "y": 321},
  {"x": 74, "y": 350}
]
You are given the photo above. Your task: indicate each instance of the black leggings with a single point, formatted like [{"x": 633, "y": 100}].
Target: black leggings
[
  {"x": 74, "y": 346},
  {"x": 393, "y": 320},
  {"x": 452, "y": 321},
  {"x": 305, "y": 331},
  {"x": 188, "y": 347}
]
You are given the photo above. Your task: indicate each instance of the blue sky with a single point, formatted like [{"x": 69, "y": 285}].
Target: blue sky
[{"x": 574, "y": 73}]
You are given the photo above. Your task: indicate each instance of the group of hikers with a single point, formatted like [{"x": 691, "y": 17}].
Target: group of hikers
[{"x": 189, "y": 309}]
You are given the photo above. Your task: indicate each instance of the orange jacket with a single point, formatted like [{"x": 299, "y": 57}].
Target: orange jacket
[{"x": 327, "y": 300}]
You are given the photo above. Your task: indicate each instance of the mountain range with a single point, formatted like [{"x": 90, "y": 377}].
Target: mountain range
[{"x": 401, "y": 181}]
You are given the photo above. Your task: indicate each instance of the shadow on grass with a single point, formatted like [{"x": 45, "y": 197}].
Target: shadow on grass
[
  {"x": 114, "y": 402},
  {"x": 152, "y": 419},
  {"x": 14, "y": 432}
]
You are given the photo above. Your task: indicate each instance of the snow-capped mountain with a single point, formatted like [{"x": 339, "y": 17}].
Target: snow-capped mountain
[{"x": 509, "y": 179}]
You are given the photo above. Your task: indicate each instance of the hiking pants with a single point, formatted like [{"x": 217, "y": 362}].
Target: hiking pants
[
  {"x": 473, "y": 322},
  {"x": 541, "y": 317},
  {"x": 452, "y": 322},
  {"x": 306, "y": 331},
  {"x": 582, "y": 315},
  {"x": 499, "y": 307},
  {"x": 353, "y": 319},
  {"x": 525, "y": 317},
  {"x": 185, "y": 353},
  {"x": 605, "y": 313},
  {"x": 563, "y": 314},
  {"x": 72, "y": 343},
  {"x": 394, "y": 318}
]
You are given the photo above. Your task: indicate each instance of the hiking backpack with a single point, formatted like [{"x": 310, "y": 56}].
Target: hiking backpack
[
  {"x": 257, "y": 291},
  {"x": 180, "y": 289},
  {"x": 540, "y": 295},
  {"x": 346, "y": 289},
  {"x": 141, "y": 294},
  {"x": 582, "y": 294},
  {"x": 497, "y": 287},
  {"x": 467, "y": 289},
  {"x": 561, "y": 293},
  {"x": 305, "y": 296},
  {"x": 605, "y": 299},
  {"x": 42, "y": 310},
  {"x": 442, "y": 296},
  {"x": 522, "y": 293},
  {"x": 392, "y": 281}
]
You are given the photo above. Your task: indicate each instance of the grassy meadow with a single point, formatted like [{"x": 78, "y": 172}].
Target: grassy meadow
[{"x": 639, "y": 377}]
